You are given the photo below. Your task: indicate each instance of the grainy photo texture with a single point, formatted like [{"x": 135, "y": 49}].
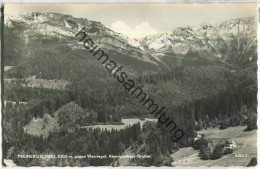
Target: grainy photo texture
[{"x": 129, "y": 85}]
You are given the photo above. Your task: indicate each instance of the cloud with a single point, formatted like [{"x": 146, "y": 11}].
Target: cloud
[{"x": 139, "y": 31}]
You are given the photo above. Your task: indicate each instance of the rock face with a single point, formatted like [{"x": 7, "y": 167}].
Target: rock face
[
  {"x": 230, "y": 42},
  {"x": 65, "y": 27}
]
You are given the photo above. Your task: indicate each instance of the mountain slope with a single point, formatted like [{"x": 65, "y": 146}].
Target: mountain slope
[
  {"x": 46, "y": 28},
  {"x": 233, "y": 41}
]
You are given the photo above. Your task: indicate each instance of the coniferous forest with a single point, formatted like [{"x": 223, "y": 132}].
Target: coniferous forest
[{"x": 56, "y": 93}]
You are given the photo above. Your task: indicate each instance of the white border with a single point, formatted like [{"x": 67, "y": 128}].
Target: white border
[
  {"x": 128, "y": 1},
  {"x": 146, "y": 1}
]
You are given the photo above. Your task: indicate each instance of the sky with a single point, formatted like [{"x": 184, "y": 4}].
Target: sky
[{"x": 140, "y": 20}]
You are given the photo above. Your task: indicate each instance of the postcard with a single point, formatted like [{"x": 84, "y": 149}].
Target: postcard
[{"x": 129, "y": 85}]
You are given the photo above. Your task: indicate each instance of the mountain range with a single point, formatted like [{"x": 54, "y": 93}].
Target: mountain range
[
  {"x": 229, "y": 42},
  {"x": 54, "y": 89}
]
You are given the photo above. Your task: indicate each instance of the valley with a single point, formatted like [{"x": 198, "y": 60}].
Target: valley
[{"x": 60, "y": 100}]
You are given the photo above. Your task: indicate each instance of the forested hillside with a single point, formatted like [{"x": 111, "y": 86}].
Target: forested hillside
[{"x": 53, "y": 87}]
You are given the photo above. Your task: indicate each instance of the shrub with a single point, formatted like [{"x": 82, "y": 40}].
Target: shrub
[
  {"x": 197, "y": 127},
  {"x": 253, "y": 162},
  {"x": 224, "y": 124},
  {"x": 205, "y": 153},
  {"x": 197, "y": 145},
  {"x": 218, "y": 151},
  {"x": 252, "y": 122}
]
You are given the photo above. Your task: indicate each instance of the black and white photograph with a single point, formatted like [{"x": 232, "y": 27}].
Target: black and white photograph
[{"x": 115, "y": 85}]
